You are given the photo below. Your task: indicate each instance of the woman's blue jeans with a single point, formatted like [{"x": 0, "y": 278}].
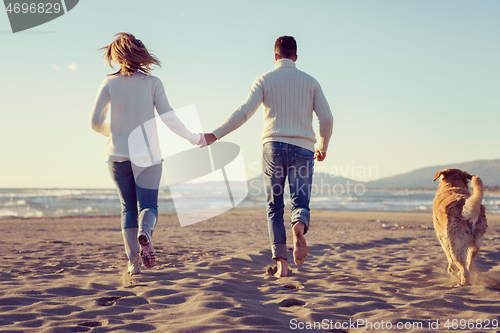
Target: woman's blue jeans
[
  {"x": 279, "y": 161},
  {"x": 134, "y": 198}
]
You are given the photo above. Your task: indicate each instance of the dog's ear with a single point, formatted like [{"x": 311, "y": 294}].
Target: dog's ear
[
  {"x": 466, "y": 176},
  {"x": 438, "y": 174}
]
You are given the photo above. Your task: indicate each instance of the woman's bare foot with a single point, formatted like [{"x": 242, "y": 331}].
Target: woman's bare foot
[
  {"x": 299, "y": 243},
  {"x": 282, "y": 268}
]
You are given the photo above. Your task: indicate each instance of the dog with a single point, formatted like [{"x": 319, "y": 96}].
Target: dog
[{"x": 459, "y": 219}]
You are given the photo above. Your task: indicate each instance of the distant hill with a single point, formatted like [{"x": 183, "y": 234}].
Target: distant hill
[{"x": 488, "y": 170}]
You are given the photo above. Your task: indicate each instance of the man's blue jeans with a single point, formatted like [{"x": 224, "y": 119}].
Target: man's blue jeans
[
  {"x": 279, "y": 161},
  {"x": 134, "y": 198}
]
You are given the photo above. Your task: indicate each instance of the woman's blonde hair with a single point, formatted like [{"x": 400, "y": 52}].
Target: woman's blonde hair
[{"x": 130, "y": 53}]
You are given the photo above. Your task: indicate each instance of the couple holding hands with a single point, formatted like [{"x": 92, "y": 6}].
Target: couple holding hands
[{"x": 289, "y": 96}]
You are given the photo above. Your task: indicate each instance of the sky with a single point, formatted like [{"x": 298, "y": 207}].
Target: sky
[{"x": 410, "y": 83}]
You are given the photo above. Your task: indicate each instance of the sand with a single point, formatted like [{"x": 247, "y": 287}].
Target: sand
[{"x": 69, "y": 275}]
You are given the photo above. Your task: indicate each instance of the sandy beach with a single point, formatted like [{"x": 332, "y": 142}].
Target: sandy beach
[{"x": 68, "y": 275}]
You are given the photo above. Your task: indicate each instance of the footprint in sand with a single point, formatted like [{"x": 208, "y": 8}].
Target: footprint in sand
[
  {"x": 286, "y": 303},
  {"x": 291, "y": 286},
  {"x": 90, "y": 324},
  {"x": 271, "y": 270},
  {"x": 60, "y": 242},
  {"x": 108, "y": 301}
]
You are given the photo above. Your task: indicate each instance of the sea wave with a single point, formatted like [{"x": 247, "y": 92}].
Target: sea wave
[
  {"x": 90, "y": 202},
  {"x": 15, "y": 203}
]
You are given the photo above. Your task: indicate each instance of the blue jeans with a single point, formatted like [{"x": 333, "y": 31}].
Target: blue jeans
[
  {"x": 135, "y": 199},
  {"x": 279, "y": 161}
]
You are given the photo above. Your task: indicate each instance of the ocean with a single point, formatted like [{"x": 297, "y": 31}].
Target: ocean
[{"x": 32, "y": 203}]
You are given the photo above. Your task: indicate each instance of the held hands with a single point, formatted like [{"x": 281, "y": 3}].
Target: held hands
[
  {"x": 206, "y": 139},
  {"x": 319, "y": 155}
]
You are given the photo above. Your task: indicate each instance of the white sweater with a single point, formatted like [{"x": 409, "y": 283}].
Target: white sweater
[
  {"x": 133, "y": 99},
  {"x": 290, "y": 96}
]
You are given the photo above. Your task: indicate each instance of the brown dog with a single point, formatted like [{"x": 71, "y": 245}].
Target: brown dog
[{"x": 459, "y": 219}]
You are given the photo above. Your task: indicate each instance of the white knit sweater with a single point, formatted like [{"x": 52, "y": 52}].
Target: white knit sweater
[
  {"x": 133, "y": 99},
  {"x": 290, "y": 96}
]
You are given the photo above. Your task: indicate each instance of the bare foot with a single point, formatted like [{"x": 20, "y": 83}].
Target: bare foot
[
  {"x": 299, "y": 244},
  {"x": 282, "y": 268}
]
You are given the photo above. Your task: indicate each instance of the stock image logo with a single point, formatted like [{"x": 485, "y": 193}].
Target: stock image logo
[
  {"x": 153, "y": 143},
  {"x": 26, "y": 14}
]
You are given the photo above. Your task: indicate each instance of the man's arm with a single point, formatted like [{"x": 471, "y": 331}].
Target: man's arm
[
  {"x": 325, "y": 117},
  {"x": 244, "y": 112}
]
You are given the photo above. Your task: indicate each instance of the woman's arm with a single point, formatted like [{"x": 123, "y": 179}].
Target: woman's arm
[
  {"x": 175, "y": 124},
  {"x": 169, "y": 118},
  {"x": 100, "y": 110}
]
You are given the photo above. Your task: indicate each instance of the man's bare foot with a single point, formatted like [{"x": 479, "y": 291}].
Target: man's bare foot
[
  {"x": 282, "y": 268},
  {"x": 299, "y": 243}
]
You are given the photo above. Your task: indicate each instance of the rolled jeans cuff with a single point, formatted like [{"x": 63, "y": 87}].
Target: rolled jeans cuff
[
  {"x": 301, "y": 215},
  {"x": 279, "y": 251}
]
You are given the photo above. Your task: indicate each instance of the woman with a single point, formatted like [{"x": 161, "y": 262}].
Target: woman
[{"x": 133, "y": 94}]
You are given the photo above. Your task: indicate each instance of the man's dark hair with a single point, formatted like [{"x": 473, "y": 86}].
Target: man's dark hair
[{"x": 285, "y": 47}]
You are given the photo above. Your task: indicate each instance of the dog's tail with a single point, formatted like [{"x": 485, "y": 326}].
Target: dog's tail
[{"x": 472, "y": 206}]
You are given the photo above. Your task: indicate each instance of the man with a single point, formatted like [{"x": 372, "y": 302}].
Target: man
[{"x": 289, "y": 96}]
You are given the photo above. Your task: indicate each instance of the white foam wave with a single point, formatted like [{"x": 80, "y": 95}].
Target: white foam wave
[
  {"x": 74, "y": 211},
  {"x": 8, "y": 213},
  {"x": 15, "y": 203},
  {"x": 34, "y": 213}
]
